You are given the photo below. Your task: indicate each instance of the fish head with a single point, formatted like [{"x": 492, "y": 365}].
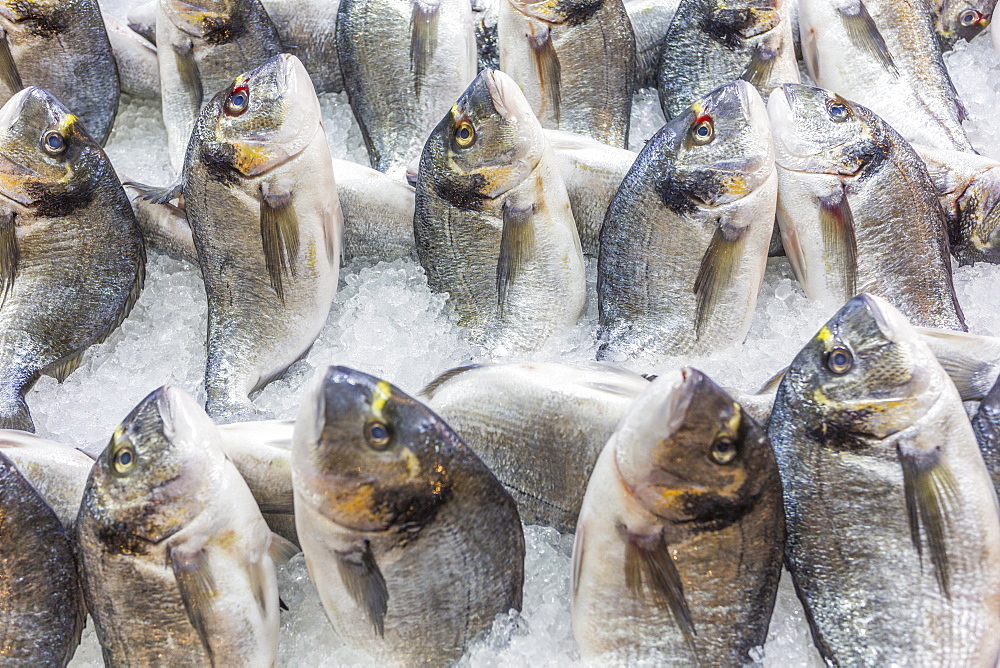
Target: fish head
[
  {"x": 690, "y": 453},
  {"x": 46, "y": 156},
  {"x": 979, "y": 218},
  {"x": 41, "y": 17},
  {"x": 368, "y": 456},
  {"x": 963, "y": 19},
  {"x": 573, "y": 12},
  {"x": 865, "y": 376},
  {"x": 264, "y": 119},
  {"x": 215, "y": 21},
  {"x": 155, "y": 474},
  {"x": 816, "y": 130},
  {"x": 487, "y": 143},
  {"x": 716, "y": 152},
  {"x": 732, "y": 21}
]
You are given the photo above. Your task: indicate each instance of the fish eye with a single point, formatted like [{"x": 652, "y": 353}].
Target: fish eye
[
  {"x": 123, "y": 460},
  {"x": 838, "y": 111},
  {"x": 53, "y": 143},
  {"x": 969, "y": 18},
  {"x": 723, "y": 450},
  {"x": 378, "y": 434},
  {"x": 465, "y": 134},
  {"x": 238, "y": 101},
  {"x": 702, "y": 132},
  {"x": 839, "y": 360}
]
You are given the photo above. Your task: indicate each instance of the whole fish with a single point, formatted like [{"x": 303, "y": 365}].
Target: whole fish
[
  {"x": 261, "y": 199},
  {"x": 986, "y": 426},
  {"x": 575, "y": 62},
  {"x": 201, "y": 45},
  {"x": 968, "y": 186},
  {"x": 413, "y": 545},
  {"x": 893, "y": 529},
  {"x": 884, "y": 55},
  {"x": 650, "y": 21},
  {"x": 711, "y": 42},
  {"x": 701, "y": 198},
  {"x": 538, "y": 426},
  {"x": 135, "y": 57},
  {"x": 61, "y": 46},
  {"x": 492, "y": 222},
  {"x": 857, "y": 210},
  {"x": 960, "y": 19},
  {"x": 679, "y": 544},
  {"x": 174, "y": 552},
  {"x": 72, "y": 262},
  {"x": 42, "y": 611},
  {"x": 404, "y": 62}
]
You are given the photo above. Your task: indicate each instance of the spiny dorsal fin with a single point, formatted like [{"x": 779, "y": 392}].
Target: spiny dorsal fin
[
  {"x": 718, "y": 267},
  {"x": 432, "y": 387},
  {"x": 197, "y": 589},
  {"x": 864, "y": 33},
  {"x": 365, "y": 583},
  {"x": 279, "y": 233},
  {"x": 761, "y": 64},
  {"x": 547, "y": 66},
  {"x": 517, "y": 243},
  {"x": 187, "y": 68},
  {"x": 423, "y": 38},
  {"x": 9, "y": 254},
  {"x": 8, "y": 68},
  {"x": 836, "y": 224}
]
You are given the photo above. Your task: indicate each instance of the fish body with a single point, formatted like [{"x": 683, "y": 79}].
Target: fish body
[
  {"x": 650, "y": 21},
  {"x": 72, "y": 261},
  {"x": 135, "y": 56},
  {"x": 857, "y": 209},
  {"x": 260, "y": 195},
  {"x": 538, "y": 426},
  {"x": 404, "y": 62},
  {"x": 575, "y": 62},
  {"x": 679, "y": 544},
  {"x": 58, "y": 472},
  {"x": 702, "y": 207},
  {"x": 413, "y": 545},
  {"x": 307, "y": 30},
  {"x": 893, "y": 532},
  {"x": 174, "y": 552},
  {"x": 378, "y": 212},
  {"x": 884, "y": 55},
  {"x": 485, "y": 15},
  {"x": 986, "y": 426},
  {"x": 493, "y": 223}
]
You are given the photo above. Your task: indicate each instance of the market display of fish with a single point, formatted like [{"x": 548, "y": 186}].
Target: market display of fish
[
  {"x": 493, "y": 223},
  {"x": 72, "y": 262},
  {"x": 884, "y": 54},
  {"x": 575, "y": 63},
  {"x": 413, "y": 545},
  {"x": 857, "y": 209},
  {"x": 166, "y": 517},
  {"x": 404, "y": 62},
  {"x": 960, "y": 19},
  {"x": 701, "y": 196},
  {"x": 679, "y": 544},
  {"x": 893, "y": 531}
]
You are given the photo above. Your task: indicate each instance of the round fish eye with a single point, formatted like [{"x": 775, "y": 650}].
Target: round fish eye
[
  {"x": 465, "y": 134},
  {"x": 377, "y": 434},
  {"x": 53, "y": 143},
  {"x": 238, "y": 101},
  {"x": 969, "y": 18},
  {"x": 702, "y": 132},
  {"x": 838, "y": 110},
  {"x": 723, "y": 450},
  {"x": 839, "y": 360},
  {"x": 123, "y": 460}
]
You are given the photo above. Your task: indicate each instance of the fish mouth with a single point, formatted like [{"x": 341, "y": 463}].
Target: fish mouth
[
  {"x": 506, "y": 96},
  {"x": 781, "y": 117},
  {"x": 13, "y": 174}
]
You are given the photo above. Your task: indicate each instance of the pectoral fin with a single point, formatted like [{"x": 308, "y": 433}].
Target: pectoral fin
[
  {"x": 547, "y": 66},
  {"x": 930, "y": 497},
  {"x": 365, "y": 583},
  {"x": 423, "y": 38},
  {"x": 718, "y": 267},
  {"x": 281, "y": 549},
  {"x": 517, "y": 243},
  {"x": 837, "y": 227},
  {"x": 187, "y": 68},
  {"x": 8, "y": 69},
  {"x": 9, "y": 254},
  {"x": 197, "y": 589},
  {"x": 761, "y": 64},
  {"x": 155, "y": 194},
  {"x": 279, "y": 233},
  {"x": 865, "y": 34}
]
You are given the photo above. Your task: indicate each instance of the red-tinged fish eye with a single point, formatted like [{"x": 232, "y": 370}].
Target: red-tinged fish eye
[
  {"x": 969, "y": 18},
  {"x": 238, "y": 101},
  {"x": 702, "y": 131}
]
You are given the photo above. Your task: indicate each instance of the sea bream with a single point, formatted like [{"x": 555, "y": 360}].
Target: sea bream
[{"x": 960, "y": 19}]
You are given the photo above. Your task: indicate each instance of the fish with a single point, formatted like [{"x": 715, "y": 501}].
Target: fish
[
  {"x": 413, "y": 545},
  {"x": 592, "y": 172},
  {"x": 701, "y": 198},
  {"x": 404, "y": 62},
  {"x": 42, "y": 611},
  {"x": 857, "y": 209},
  {"x": 996, "y": 40},
  {"x": 307, "y": 30},
  {"x": 173, "y": 548},
  {"x": 72, "y": 261},
  {"x": 884, "y": 54},
  {"x": 58, "y": 472},
  {"x": 712, "y": 42},
  {"x": 956, "y": 20},
  {"x": 492, "y": 220},
  {"x": 63, "y": 47},
  {"x": 679, "y": 545},
  {"x": 986, "y": 427},
  {"x": 538, "y": 426},
  {"x": 892, "y": 521},
  {"x": 135, "y": 57},
  {"x": 968, "y": 186},
  {"x": 650, "y": 21},
  {"x": 575, "y": 63},
  {"x": 485, "y": 15},
  {"x": 141, "y": 18},
  {"x": 378, "y": 213},
  {"x": 201, "y": 45},
  {"x": 972, "y": 361},
  {"x": 261, "y": 199}
]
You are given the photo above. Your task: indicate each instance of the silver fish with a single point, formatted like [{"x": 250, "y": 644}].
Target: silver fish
[
  {"x": 986, "y": 426},
  {"x": 378, "y": 213},
  {"x": 138, "y": 68},
  {"x": 307, "y": 30},
  {"x": 650, "y": 21}
]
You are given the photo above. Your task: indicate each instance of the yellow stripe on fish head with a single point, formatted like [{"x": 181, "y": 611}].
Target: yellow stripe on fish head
[{"x": 380, "y": 396}]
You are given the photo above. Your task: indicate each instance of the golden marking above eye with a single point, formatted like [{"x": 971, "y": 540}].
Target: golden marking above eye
[{"x": 465, "y": 134}]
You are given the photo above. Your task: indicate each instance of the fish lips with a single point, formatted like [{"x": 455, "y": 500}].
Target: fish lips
[{"x": 507, "y": 97}]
